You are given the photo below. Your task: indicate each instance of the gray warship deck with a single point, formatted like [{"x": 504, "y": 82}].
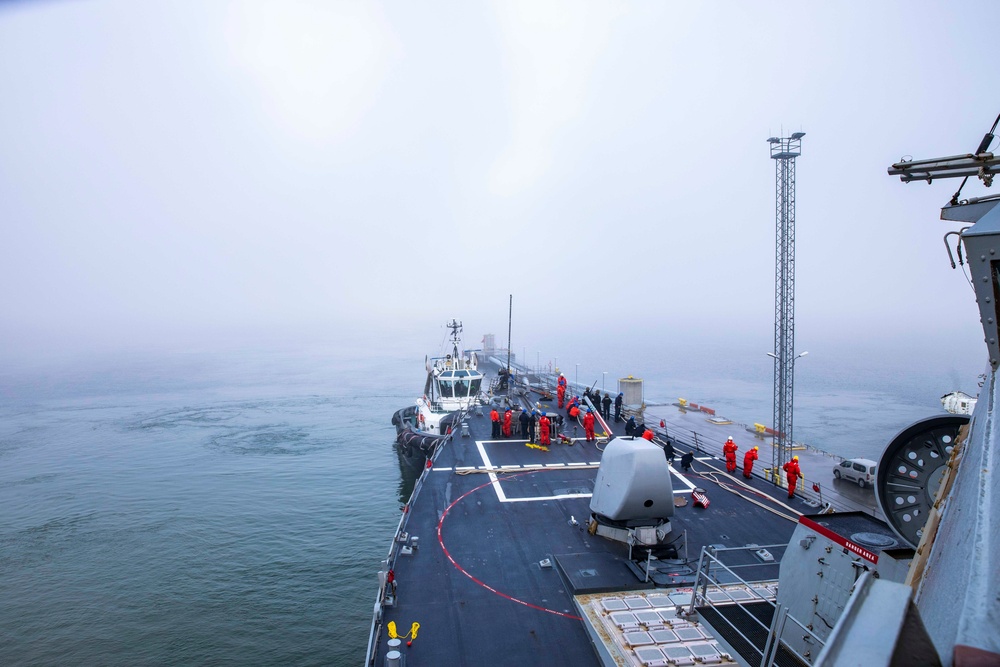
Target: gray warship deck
[{"x": 503, "y": 549}]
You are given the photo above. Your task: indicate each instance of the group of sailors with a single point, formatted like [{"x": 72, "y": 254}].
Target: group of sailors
[
  {"x": 529, "y": 425},
  {"x": 603, "y": 405},
  {"x": 729, "y": 453},
  {"x": 792, "y": 469},
  {"x": 541, "y": 424}
]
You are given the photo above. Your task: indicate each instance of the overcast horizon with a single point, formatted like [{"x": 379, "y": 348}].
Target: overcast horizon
[{"x": 215, "y": 175}]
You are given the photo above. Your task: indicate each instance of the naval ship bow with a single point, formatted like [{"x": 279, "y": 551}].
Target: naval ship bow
[{"x": 605, "y": 552}]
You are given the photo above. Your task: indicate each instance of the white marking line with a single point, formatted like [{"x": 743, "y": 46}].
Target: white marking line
[
  {"x": 493, "y": 476},
  {"x": 504, "y": 499},
  {"x": 537, "y": 498},
  {"x": 684, "y": 480},
  {"x": 496, "y": 482}
]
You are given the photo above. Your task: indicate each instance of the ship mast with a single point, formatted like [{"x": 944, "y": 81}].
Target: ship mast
[{"x": 456, "y": 329}]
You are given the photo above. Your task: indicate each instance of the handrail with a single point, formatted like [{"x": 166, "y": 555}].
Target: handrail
[
  {"x": 703, "y": 577},
  {"x": 390, "y": 559}
]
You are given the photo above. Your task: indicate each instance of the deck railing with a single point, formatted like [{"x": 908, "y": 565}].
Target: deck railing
[{"x": 712, "y": 571}]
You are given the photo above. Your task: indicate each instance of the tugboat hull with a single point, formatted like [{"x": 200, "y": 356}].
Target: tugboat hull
[{"x": 414, "y": 445}]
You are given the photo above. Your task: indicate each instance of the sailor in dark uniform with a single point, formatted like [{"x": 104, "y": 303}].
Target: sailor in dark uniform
[
  {"x": 606, "y": 403},
  {"x": 629, "y": 426},
  {"x": 668, "y": 450},
  {"x": 531, "y": 425},
  {"x": 686, "y": 461},
  {"x": 618, "y": 407},
  {"x": 523, "y": 418}
]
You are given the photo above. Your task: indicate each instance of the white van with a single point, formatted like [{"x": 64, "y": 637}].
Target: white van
[{"x": 861, "y": 471}]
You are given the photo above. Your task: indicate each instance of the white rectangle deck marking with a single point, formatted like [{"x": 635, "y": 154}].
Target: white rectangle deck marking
[
  {"x": 684, "y": 480},
  {"x": 495, "y": 481},
  {"x": 493, "y": 476},
  {"x": 466, "y": 468},
  {"x": 573, "y": 465},
  {"x": 538, "y": 498}
]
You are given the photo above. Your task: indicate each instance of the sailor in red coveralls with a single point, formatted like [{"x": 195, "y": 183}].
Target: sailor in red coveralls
[
  {"x": 588, "y": 425},
  {"x": 506, "y": 423},
  {"x": 543, "y": 430},
  {"x": 495, "y": 418},
  {"x": 748, "y": 460},
  {"x": 561, "y": 390},
  {"x": 729, "y": 449},
  {"x": 794, "y": 472},
  {"x": 648, "y": 435}
]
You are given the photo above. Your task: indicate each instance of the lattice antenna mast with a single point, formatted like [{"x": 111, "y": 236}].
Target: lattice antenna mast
[{"x": 784, "y": 151}]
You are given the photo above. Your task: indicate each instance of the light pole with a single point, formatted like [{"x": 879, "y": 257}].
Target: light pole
[
  {"x": 576, "y": 377},
  {"x": 604, "y": 377},
  {"x": 782, "y": 439},
  {"x": 784, "y": 150}
]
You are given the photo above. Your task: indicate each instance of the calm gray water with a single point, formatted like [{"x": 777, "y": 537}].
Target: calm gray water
[
  {"x": 232, "y": 509},
  {"x": 195, "y": 512}
]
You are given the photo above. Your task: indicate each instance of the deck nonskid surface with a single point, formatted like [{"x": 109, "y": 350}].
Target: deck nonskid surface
[{"x": 480, "y": 587}]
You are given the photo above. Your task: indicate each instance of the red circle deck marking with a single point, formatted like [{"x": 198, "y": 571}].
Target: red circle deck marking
[{"x": 481, "y": 583}]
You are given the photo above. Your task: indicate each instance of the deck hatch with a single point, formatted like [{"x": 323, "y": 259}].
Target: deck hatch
[
  {"x": 689, "y": 634},
  {"x": 638, "y": 639},
  {"x": 664, "y": 636},
  {"x": 624, "y": 619},
  {"x": 637, "y": 603},
  {"x": 679, "y": 655},
  {"x": 649, "y": 618},
  {"x": 661, "y": 600},
  {"x": 651, "y": 657},
  {"x": 613, "y": 604}
]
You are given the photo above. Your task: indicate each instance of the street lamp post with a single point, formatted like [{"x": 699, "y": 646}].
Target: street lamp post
[
  {"x": 604, "y": 377},
  {"x": 576, "y": 377}
]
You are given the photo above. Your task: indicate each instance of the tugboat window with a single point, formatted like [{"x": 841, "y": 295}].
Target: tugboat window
[
  {"x": 475, "y": 386},
  {"x": 461, "y": 388},
  {"x": 445, "y": 387}
]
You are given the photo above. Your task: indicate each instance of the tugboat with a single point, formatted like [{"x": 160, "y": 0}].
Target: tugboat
[{"x": 453, "y": 387}]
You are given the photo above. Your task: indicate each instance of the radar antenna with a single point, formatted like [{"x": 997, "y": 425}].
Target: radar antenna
[{"x": 456, "y": 329}]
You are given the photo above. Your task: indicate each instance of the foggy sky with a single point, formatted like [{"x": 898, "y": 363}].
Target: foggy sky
[{"x": 177, "y": 172}]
